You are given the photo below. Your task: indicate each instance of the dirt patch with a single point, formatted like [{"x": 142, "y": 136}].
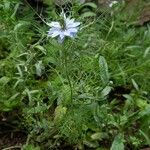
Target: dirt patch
[
  {"x": 12, "y": 139},
  {"x": 118, "y": 92},
  {"x": 11, "y": 135}
]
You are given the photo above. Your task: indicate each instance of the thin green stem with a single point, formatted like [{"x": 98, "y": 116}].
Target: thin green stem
[{"x": 67, "y": 75}]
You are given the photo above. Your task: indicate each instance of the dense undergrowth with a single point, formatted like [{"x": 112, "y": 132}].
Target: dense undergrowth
[{"x": 88, "y": 93}]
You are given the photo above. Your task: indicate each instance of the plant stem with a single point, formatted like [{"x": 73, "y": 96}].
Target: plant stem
[
  {"x": 12, "y": 147},
  {"x": 67, "y": 75}
]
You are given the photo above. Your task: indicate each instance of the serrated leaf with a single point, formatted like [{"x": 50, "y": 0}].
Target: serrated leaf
[{"x": 60, "y": 111}]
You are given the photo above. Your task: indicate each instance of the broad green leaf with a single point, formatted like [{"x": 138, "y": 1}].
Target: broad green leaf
[
  {"x": 147, "y": 51},
  {"x": 30, "y": 147},
  {"x": 7, "y": 5},
  {"x": 118, "y": 143},
  {"x": 103, "y": 70},
  {"x": 90, "y": 4},
  {"x": 141, "y": 103},
  {"x": 20, "y": 25},
  {"x": 41, "y": 48},
  {"x": 98, "y": 136},
  {"x": 135, "y": 85},
  {"x": 4, "y": 80},
  {"x": 146, "y": 111},
  {"x": 91, "y": 144},
  {"x": 15, "y": 9},
  {"x": 106, "y": 91},
  {"x": 147, "y": 138},
  {"x": 102, "y": 148},
  {"x": 88, "y": 14},
  {"x": 39, "y": 68},
  {"x": 13, "y": 97}
]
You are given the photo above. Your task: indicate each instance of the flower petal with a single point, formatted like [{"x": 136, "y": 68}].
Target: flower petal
[
  {"x": 73, "y": 30},
  {"x": 67, "y": 33},
  {"x": 73, "y": 25},
  {"x": 73, "y": 34},
  {"x": 55, "y": 25},
  {"x": 70, "y": 23},
  {"x": 53, "y": 33},
  {"x": 61, "y": 35}
]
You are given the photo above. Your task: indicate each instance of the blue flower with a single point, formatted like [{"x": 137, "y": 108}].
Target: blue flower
[{"x": 68, "y": 28}]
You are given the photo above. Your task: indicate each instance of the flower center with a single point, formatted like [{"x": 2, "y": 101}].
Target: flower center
[{"x": 63, "y": 24}]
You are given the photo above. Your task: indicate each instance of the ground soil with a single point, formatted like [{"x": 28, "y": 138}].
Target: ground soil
[{"x": 11, "y": 135}]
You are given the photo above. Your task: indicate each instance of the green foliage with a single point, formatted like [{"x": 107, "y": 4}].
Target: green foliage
[
  {"x": 117, "y": 143},
  {"x": 92, "y": 91},
  {"x": 103, "y": 70},
  {"x": 30, "y": 147}
]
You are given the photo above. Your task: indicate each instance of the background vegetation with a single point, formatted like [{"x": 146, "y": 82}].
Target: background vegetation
[{"x": 87, "y": 93}]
